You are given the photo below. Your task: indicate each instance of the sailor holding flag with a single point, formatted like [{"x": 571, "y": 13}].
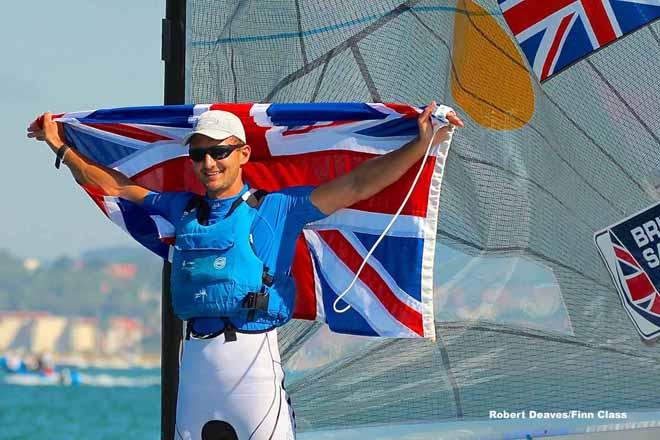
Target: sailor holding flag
[{"x": 231, "y": 267}]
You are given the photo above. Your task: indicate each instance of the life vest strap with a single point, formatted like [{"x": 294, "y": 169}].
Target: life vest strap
[
  {"x": 267, "y": 278},
  {"x": 253, "y": 198},
  {"x": 255, "y": 301},
  {"x": 228, "y": 329},
  {"x": 198, "y": 203}
]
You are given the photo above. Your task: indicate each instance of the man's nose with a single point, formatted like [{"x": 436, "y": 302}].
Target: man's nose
[{"x": 208, "y": 161}]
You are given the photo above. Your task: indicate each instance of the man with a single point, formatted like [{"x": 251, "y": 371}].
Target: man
[{"x": 231, "y": 264}]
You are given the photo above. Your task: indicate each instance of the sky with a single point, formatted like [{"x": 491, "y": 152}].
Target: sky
[{"x": 67, "y": 56}]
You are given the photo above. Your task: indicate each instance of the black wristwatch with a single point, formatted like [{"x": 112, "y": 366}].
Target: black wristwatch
[{"x": 60, "y": 154}]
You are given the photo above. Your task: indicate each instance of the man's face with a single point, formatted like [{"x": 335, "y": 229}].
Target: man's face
[{"x": 221, "y": 177}]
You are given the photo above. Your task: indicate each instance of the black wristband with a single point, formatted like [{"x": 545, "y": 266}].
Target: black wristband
[{"x": 60, "y": 154}]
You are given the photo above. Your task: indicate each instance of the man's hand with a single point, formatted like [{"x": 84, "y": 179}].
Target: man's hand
[
  {"x": 426, "y": 126},
  {"x": 454, "y": 119},
  {"x": 86, "y": 172},
  {"x": 377, "y": 173},
  {"x": 44, "y": 129}
]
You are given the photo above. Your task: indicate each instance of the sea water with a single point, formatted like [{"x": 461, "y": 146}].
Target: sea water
[
  {"x": 118, "y": 404},
  {"x": 125, "y": 405}
]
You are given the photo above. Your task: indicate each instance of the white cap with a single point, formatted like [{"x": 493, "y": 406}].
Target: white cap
[{"x": 217, "y": 124}]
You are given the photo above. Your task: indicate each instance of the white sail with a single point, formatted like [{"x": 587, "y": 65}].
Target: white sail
[{"x": 526, "y": 313}]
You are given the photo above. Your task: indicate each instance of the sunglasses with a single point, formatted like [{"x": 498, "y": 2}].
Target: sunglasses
[{"x": 217, "y": 152}]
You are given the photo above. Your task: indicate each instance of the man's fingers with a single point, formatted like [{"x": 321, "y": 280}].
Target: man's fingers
[
  {"x": 454, "y": 120},
  {"x": 451, "y": 116},
  {"x": 427, "y": 111},
  {"x": 45, "y": 120},
  {"x": 39, "y": 135},
  {"x": 35, "y": 125},
  {"x": 39, "y": 123}
]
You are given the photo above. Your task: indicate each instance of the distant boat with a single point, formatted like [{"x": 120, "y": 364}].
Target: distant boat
[{"x": 16, "y": 372}]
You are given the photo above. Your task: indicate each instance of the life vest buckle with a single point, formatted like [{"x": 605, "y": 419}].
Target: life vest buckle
[
  {"x": 230, "y": 331},
  {"x": 256, "y": 301},
  {"x": 267, "y": 278}
]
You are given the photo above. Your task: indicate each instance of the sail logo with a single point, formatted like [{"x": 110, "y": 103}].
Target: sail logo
[{"x": 631, "y": 252}]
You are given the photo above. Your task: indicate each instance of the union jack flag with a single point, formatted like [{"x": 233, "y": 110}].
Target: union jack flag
[
  {"x": 295, "y": 144},
  {"x": 554, "y": 34},
  {"x": 636, "y": 279},
  {"x": 638, "y": 285}
]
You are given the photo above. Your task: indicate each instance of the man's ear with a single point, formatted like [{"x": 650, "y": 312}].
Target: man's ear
[{"x": 245, "y": 152}]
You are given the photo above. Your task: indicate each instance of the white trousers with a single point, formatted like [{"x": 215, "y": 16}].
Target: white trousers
[{"x": 236, "y": 388}]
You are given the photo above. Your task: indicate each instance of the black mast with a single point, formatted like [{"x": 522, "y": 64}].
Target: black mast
[{"x": 174, "y": 56}]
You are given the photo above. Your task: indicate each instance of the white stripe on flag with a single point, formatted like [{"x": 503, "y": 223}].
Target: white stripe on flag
[
  {"x": 175, "y": 133},
  {"x": 360, "y": 297},
  {"x": 259, "y": 113},
  {"x": 165, "y": 228},
  {"x": 612, "y": 16},
  {"x": 584, "y": 18},
  {"x": 564, "y": 37},
  {"x": 150, "y": 156},
  {"x": 198, "y": 109},
  {"x": 318, "y": 292},
  {"x": 114, "y": 212},
  {"x": 644, "y": 2},
  {"x": 116, "y": 139},
  {"x": 338, "y": 137},
  {"x": 382, "y": 272},
  {"x": 379, "y": 106},
  {"x": 431, "y": 228},
  {"x": 508, "y": 4},
  {"x": 342, "y": 137},
  {"x": 371, "y": 223},
  {"x": 74, "y": 116},
  {"x": 550, "y": 23}
]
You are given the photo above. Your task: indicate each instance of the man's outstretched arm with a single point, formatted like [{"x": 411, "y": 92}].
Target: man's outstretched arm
[
  {"x": 376, "y": 174},
  {"x": 85, "y": 171}
]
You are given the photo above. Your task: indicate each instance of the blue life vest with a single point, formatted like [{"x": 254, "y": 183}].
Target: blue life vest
[{"x": 215, "y": 272}]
